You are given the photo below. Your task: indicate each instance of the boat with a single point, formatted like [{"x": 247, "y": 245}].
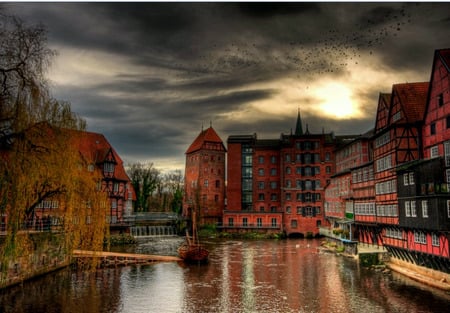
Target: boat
[{"x": 191, "y": 250}]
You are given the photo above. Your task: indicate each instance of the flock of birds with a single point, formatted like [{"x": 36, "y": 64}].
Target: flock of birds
[{"x": 328, "y": 52}]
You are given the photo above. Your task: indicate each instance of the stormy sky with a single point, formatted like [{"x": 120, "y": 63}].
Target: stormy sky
[{"x": 149, "y": 75}]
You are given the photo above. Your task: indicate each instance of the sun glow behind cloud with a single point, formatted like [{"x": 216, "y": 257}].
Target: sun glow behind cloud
[{"x": 335, "y": 100}]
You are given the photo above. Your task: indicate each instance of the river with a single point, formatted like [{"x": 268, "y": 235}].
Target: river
[{"x": 282, "y": 276}]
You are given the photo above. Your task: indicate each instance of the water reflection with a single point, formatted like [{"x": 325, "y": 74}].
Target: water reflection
[{"x": 241, "y": 276}]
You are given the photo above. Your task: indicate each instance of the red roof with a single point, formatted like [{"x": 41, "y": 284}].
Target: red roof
[
  {"x": 208, "y": 135},
  {"x": 94, "y": 148},
  {"x": 413, "y": 98}
]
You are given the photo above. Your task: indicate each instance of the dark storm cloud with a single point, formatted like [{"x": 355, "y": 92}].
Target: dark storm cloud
[{"x": 178, "y": 66}]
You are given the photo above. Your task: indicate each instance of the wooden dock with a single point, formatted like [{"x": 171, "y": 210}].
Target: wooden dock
[{"x": 108, "y": 259}]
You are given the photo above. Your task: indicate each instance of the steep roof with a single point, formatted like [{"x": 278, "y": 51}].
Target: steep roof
[
  {"x": 413, "y": 98},
  {"x": 206, "y": 136},
  {"x": 95, "y": 148},
  {"x": 298, "y": 125}
]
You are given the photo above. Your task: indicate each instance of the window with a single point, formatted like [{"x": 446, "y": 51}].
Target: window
[
  {"x": 273, "y": 197},
  {"x": 206, "y": 183},
  {"x": 273, "y": 185},
  {"x": 288, "y": 183},
  {"x": 288, "y": 209},
  {"x": 273, "y": 171},
  {"x": 261, "y": 197},
  {"x": 261, "y": 172},
  {"x": 288, "y": 170},
  {"x": 259, "y": 222},
  {"x": 116, "y": 187},
  {"x": 433, "y": 128},
  {"x": 307, "y": 158},
  {"x": 309, "y": 211},
  {"x": 396, "y": 116},
  {"x": 261, "y": 160},
  {"x": 435, "y": 240},
  {"x": 420, "y": 237},
  {"x": 411, "y": 178},
  {"x": 327, "y": 156},
  {"x": 273, "y": 159},
  {"x": 424, "y": 208},
  {"x": 382, "y": 140},
  {"x": 244, "y": 222},
  {"x": 288, "y": 158},
  {"x": 328, "y": 169},
  {"x": 230, "y": 222},
  {"x": 274, "y": 222},
  {"x": 407, "y": 208},
  {"x": 114, "y": 204},
  {"x": 447, "y": 153},
  {"x": 434, "y": 151},
  {"x": 91, "y": 167},
  {"x": 288, "y": 196},
  {"x": 293, "y": 223},
  {"x": 413, "y": 209},
  {"x": 108, "y": 167},
  {"x": 448, "y": 208},
  {"x": 260, "y": 185},
  {"x": 217, "y": 183},
  {"x": 405, "y": 179}
]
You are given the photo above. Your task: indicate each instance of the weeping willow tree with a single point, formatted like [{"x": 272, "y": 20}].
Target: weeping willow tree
[{"x": 39, "y": 156}]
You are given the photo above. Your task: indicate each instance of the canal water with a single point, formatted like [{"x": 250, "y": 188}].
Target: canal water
[{"x": 283, "y": 276}]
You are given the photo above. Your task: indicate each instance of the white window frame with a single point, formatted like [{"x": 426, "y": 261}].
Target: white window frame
[
  {"x": 413, "y": 209},
  {"x": 435, "y": 240},
  {"x": 424, "y": 208},
  {"x": 434, "y": 152},
  {"x": 407, "y": 209}
]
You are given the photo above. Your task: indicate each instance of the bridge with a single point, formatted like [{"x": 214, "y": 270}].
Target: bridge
[{"x": 152, "y": 223}]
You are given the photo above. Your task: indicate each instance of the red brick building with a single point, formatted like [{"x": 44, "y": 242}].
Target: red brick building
[
  {"x": 277, "y": 185},
  {"x": 205, "y": 178},
  {"x": 349, "y": 191}
]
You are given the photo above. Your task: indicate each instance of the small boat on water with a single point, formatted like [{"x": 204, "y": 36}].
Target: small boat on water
[{"x": 191, "y": 250}]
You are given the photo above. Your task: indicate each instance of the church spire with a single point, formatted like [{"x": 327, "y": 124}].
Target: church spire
[{"x": 298, "y": 126}]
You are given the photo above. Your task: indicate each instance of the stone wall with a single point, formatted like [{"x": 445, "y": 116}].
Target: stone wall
[{"x": 43, "y": 252}]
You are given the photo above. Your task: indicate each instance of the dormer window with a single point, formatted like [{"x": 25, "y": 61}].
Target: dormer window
[
  {"x": 91, "y": 167},
  {"x": 108, "y": 167}
]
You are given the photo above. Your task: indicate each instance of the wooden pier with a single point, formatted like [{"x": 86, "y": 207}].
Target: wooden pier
[{"x": 108, "y": 259}]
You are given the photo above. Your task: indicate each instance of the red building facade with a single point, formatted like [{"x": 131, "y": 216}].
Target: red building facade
[
  {"x": 350, "y": 192},
  {"x": 278, "y": 185},
  {"x": 205, "y": 178}
]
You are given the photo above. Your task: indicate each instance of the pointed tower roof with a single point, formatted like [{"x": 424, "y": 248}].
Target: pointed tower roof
[
  {"x": 206, "y": 136},
  {"x": 298, "y": 126}
]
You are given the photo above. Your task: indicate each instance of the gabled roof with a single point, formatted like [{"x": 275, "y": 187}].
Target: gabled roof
[
  {"x": 413, "y": 98},
  {"x": 95, "y": 149},
  {"x": 384, "y": 99},
  {"x": 206, "y": 136}
]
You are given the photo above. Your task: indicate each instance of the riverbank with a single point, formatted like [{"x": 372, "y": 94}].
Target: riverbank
[{"x": 420, "y": 274}]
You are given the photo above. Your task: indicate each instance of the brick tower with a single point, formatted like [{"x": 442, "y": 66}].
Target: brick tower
[{"x": 205, "y": 178}]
